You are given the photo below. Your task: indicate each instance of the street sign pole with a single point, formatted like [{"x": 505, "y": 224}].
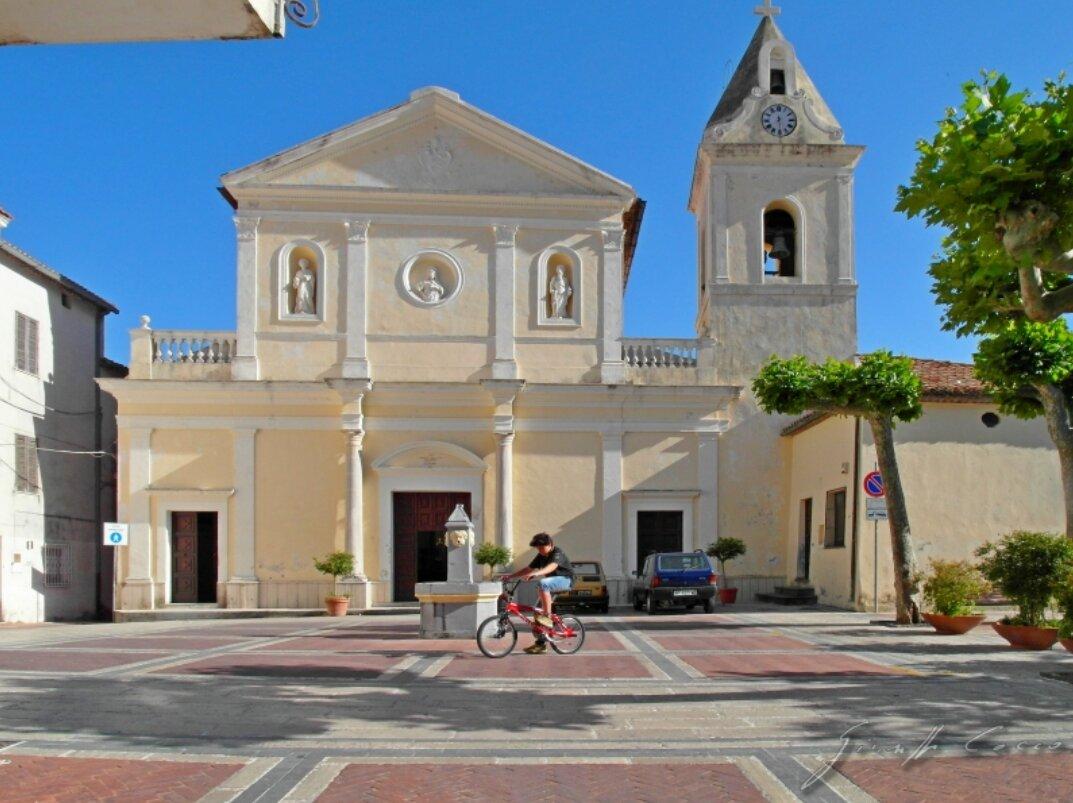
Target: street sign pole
[{"x": 875, "y": 565}]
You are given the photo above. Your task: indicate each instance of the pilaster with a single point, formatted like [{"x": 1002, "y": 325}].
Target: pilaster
[
  {"x": 242, "y": 584},
  {"x": 611, "y": 495},
  {"x": 244, "y": 364},
  {"x": 846, "y": 271},
  {"x": 503, "y": 269},
  {"x": 356, "y": 362},
  {"x": 708, "y": 483},
  {"x": 137, "y": 592},
  {"x": 612, "y": 369}
]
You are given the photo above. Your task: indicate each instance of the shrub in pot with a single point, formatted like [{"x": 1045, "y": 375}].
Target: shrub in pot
[
  {"x": 492, "y": 555},
  {"x": 951, "y": 590},
  {"x": 723, "y": 550},
  {"x": 1064, "y": 599},
  {"x": 337, "y": 564},
  {"x": 1028, "y": 568}
]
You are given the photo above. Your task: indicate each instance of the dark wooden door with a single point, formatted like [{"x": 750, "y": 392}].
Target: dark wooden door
[
  {"x": 658, "y": 531},
  {"x": 804, "y": 539},
  {"x": 184, "y": 573},
  {"x": 420, "y": 552}
]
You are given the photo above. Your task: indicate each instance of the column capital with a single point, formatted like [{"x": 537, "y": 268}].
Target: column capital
[
  {"x": 505, "y": 235},
  {"x": 357, "y": 230},
  {"x": 504, "y": 436},
  {"x": 246, "y": 226},
  {"x": 612, "y": 239},
  {"x": 355, "y": 437}
]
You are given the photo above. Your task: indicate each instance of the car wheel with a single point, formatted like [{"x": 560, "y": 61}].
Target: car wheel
[
  {"x": 650, "y": 604},
  {"x": 709, "y": 605}
]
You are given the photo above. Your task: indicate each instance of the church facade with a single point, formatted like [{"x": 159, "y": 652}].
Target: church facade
[{"x": 429, "y": 313}]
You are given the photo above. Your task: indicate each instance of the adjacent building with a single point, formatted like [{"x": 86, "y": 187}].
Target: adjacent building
[{"x": 57, "y": 439}]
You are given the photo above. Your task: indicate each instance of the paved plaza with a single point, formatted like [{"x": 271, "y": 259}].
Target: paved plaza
[{"x": 762, "y": 703}]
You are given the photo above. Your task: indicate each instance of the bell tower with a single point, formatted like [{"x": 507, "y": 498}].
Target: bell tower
[{"x": 773, "y": 199}]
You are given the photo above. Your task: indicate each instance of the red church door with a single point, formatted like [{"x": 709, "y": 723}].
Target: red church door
[{"x": 420, "y": 549}]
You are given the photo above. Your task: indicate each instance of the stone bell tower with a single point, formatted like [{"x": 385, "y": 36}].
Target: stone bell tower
[{"x": 773, "y": 198}]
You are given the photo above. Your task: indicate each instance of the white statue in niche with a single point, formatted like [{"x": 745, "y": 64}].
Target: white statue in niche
[
  {"x": 429, "y": 289},
  {"x": 559, "y": 292},
  {"x": 305, "y": 289}
]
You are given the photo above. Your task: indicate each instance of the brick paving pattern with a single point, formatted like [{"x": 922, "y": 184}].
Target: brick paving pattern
[
  {"x": 548, "y": 782},
  {"x": 16, "y": 660},
  {"x": 787, "y": 664},
  {"x": 733, "y": 642},
  {"x": 30, "y": 779},
  {"x": 549, "y": 665},
  {"x": 150, "y": 643},
  {"x": 1044, "y": 777},
  {"x": 360, "y": 666}
]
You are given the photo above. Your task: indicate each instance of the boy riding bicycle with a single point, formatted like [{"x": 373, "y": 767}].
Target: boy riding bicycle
[{"x": 552, "y": 567}]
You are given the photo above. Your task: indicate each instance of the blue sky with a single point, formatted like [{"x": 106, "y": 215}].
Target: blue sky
[{"x": 111, "y": 153}]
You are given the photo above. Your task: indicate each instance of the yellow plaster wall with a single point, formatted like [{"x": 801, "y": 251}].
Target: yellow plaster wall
[
  {"x": 822, "y": 461},
  {"x": 659, "y": 462},
  {"x": 301, "y": 501},
  {"x": 555, "y": 491},
  {"x": 192, "y": 458},
  {"x": 964, "y": 484}
]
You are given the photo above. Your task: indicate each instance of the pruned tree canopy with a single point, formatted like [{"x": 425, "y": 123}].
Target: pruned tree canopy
[
  {"x": 1023, "y": 356},
  {"x": 998, "y": 176}
]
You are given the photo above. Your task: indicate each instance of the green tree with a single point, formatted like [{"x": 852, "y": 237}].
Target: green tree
[
  {"x": 998, "y": 176},
  {"x": 1028, "y": 367},
  {"x": 882, "y": 389}
]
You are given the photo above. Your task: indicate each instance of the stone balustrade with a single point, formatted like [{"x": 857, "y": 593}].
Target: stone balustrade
[
  {"x": 180, "y": 353},
  {"x": 659, "y": 353}
]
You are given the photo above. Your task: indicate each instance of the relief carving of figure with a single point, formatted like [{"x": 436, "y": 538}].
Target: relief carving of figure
[
  {"x": 559, "y": 292},
  {"x": 429, "y": 289},
  {"x": 305, "y": 289}
]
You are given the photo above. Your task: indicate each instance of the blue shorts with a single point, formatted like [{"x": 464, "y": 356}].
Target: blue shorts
[{"x": 554, "y": 583}]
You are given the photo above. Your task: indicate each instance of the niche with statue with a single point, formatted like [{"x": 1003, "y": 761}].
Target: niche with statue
[
  {"x": 558, "y": 288},
  {"x": 301, "y": 282}
]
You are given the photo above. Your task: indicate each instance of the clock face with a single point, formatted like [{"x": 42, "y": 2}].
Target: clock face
[{"x": 779, "y": 120}]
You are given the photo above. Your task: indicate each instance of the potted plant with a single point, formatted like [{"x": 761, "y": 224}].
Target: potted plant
[
  {"x": 723, "y": 550},
  {"x": 951, "y": 591},
  {"x": 1028, "y": 568},
  {"x": 491, "y": 555},
  {"x": 1064, "y": 598},
  {"x": 337, "y": 564}
]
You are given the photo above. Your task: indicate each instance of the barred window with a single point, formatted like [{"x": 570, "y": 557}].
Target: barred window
[
  {"x": 26, "y": 469},
  {"x": 25, "y": 343},
  {"x": 57, "y": 560},
  {"x": 835, "y": 530}
]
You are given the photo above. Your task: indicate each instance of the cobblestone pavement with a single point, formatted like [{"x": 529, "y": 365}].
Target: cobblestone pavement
[{"x": 761, "y": 703}]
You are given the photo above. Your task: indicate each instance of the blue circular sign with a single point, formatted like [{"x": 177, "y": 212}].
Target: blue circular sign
[
  {"x": 115, "y": 538},
  {"x": 873, "y": 484}
]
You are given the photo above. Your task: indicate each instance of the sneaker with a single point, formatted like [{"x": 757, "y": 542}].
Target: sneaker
[
  {"x": 537, "y": 648},
  {"x": 543, "y": 621}
]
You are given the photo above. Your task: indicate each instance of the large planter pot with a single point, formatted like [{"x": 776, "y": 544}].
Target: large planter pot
[
  {"x": 1067, "y": 643},
  {"x": 337, "y": 606},
  {"x": 953, "y": 625},
  {"x": 1023, "y": 637},
  {"x": 728, "y": 596}
]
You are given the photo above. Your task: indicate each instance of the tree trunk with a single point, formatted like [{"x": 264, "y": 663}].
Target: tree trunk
[
  {"x": 1056, "y": 412},
  {"x": 901, "y": 540}
]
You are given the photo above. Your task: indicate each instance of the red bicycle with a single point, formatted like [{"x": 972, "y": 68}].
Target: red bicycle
[{"x": 497, "y": 635}]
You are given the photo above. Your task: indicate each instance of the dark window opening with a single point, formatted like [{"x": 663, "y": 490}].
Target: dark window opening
[
  {"x": 835, "y": 519},
  {"x": 990, "y": 420},
  {"x": 778, "y": 82},
  {"x": 780, "y": 239},
  {"x": 65, "y": 300}
]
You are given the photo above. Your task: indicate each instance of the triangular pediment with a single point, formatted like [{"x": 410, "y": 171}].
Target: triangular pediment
[{"x": 434, "y": 143}]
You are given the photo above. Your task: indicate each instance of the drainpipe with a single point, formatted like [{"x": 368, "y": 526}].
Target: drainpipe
[{"x": 853, "y": 566}]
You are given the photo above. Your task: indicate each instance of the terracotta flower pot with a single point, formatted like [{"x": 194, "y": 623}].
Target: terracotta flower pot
[
  {"x": 1023, "y": 637},
  {"x": 728, "y": 596},
  {"x": 953, "y": 625},
  {"x": 337, "y": 606},
  {"x": 1067, "y": 643}
]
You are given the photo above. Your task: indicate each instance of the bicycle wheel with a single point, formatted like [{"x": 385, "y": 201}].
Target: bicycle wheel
[
  {"x": 497, "y": 636},
  {"x": 568, "y": 646}
]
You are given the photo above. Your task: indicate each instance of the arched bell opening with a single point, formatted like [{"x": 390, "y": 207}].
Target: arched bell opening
[{"x": 780, "y": 242}]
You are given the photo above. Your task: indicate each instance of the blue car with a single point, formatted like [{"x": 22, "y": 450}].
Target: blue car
[{"x": 675, "y": 580}]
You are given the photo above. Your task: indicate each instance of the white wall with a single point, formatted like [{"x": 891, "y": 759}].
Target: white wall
[{"x": 65, "y": 509}]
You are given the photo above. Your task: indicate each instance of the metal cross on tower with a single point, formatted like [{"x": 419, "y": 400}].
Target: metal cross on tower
[{"x": 767, "y": 10}]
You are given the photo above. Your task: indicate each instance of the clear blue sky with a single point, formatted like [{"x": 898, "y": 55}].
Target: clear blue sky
[{"x": 111, "y": 153}]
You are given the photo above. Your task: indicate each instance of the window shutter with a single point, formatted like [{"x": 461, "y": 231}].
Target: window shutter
[
  {"x": 20, "y": 341},
  {"x": 831, "y": 523},
  {"x": 31, "y": 346}
]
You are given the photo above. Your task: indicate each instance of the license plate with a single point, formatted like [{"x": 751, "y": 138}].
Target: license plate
[
  {"x": 685, "y": 592},
  {"x": 582, "y": 593}
]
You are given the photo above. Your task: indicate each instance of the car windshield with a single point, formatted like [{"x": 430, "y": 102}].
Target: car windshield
[
  {"x": 682, "y": 562},
  {"x": 586, "y": 568}
]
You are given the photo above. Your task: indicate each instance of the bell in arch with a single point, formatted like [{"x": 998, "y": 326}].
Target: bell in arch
[{"x": 780, "y": 249}]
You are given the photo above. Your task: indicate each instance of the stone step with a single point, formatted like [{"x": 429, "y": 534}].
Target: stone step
[
  {"x": 778, "y": 597},
  {"x": 795, "y": 591},
  {"x": 174, "y": 613}
]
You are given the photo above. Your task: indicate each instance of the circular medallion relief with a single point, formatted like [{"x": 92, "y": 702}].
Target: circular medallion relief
[{"x": 431, "y": 277}]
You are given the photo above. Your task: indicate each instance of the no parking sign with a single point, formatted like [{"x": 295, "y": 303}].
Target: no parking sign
[
  {"x": 116, "y": 534},
  {"x": 873, "y": 484}
]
